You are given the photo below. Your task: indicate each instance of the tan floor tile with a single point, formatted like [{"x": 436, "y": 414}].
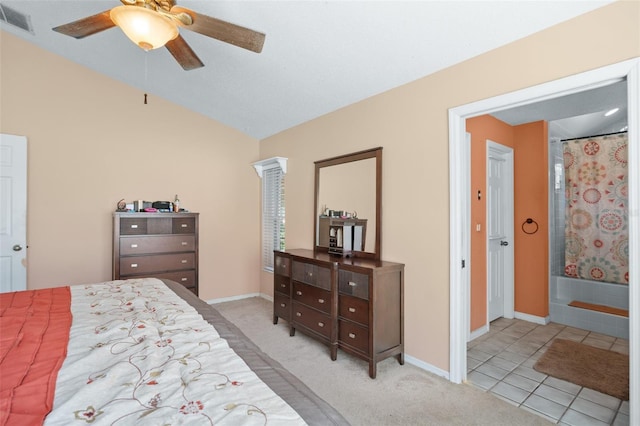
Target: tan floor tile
[
  {"x": 517, "y": 343},
  {"x": 602, "y": 344}
]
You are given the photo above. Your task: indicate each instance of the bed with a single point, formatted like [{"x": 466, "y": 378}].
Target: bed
[{"x": 143, "y": 352}]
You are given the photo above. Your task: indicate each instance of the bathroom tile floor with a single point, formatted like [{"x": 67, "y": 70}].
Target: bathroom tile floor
[{"x": 501, "y": 362}]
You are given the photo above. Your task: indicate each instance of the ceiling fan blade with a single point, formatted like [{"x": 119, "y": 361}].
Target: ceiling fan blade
[
  {"x": 222, "y": 30},
  {"x": 183, "y": 53},
  {"x": 87, "y": 26}
]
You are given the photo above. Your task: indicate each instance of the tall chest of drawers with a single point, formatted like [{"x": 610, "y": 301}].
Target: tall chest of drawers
[
  {"x": 355, "y": 305},
  {"x": 160, "y": 245}
]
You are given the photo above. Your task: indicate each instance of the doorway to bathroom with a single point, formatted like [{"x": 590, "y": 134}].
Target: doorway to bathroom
[{"x": 459, "y": 276}]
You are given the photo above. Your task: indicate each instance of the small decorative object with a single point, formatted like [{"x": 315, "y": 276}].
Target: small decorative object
[
  {"x": 176, "y": 204},
  {"x": 121, "y": 206}
]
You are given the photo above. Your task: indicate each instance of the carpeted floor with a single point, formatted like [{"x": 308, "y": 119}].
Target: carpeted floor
[{"x": 400, "y": 395}]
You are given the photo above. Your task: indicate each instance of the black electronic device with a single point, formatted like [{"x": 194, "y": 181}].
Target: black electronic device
[{"x": 161, "y": 205}]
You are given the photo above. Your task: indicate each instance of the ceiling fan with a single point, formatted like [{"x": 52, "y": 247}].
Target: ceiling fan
[{"x": 154, "y": 23}]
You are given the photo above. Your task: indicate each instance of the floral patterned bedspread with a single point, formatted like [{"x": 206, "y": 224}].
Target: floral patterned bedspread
[{"x": 138, "y": 354}]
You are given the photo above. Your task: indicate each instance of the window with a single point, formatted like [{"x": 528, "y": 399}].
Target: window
[{"x": 272, "y": 172}]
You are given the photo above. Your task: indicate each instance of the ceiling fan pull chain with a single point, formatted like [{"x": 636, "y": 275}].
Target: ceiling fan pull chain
[{"x": 146, "y": 72}]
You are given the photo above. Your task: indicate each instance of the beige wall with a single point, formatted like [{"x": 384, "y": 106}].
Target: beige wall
[
  {"x": 92, "y": 141},
  {"x": 410, "y": 123}
]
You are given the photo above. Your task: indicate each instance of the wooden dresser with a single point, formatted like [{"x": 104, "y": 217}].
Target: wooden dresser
[
  {"x": 161, "y": 245},
  {"x": 352, "y": 304}
]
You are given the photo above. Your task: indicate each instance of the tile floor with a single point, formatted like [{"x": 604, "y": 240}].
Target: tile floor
[{"x": 501, "y": 362}]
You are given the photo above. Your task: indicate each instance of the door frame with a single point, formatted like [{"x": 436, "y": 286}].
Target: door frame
[
  {"x": 509, "y": 288},
  {"x": 459, "y": 224}
]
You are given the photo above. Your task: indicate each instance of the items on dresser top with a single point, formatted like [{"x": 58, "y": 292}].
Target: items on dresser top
[
  {"x": 150, "y": 206},
  {"x": 352, "y": 304},
  {"x": 342, "y": 236},
  {"x": 161, "y": 245}
]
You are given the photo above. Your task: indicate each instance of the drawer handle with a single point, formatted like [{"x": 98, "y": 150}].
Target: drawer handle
[
  {"x": 310, "y": 274},
  {"x": 183, "y": 261},
  {"x": 298, "y": 314},
  {"x": 184, "y": 243},
  {"x": 282, "y": 305},
  {"x": 320, "y": 300},
  {"x": 183, "y": 279},
  {"x": 352, "y": 310},
  {"x": 184, "y": 225},
  {"x": 299, "y": 293},
  {"x": 283, "y": 285},
  {"x": 134, "y": 265},
  {"x": 320, "y": 324},
  {"x": 352, "y": 284},
  {"x": 352, "y": 335},
  {"x": 134, "y": 246},
  {"x": 134, "y": 226}
]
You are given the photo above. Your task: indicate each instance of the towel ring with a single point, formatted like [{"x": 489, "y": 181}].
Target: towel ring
[{"x": 527, "y": 222}]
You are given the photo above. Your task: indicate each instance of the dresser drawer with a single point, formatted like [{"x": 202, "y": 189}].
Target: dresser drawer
[
  {"x": 312, "y": 296},
  {"x": 136, "y": 265},
  {"x": 312, "y": 274},
  {"x": 310, "y": 318},
  {"x": 353, "y": 283},
  {"x": 354, "y": 309},
  {"x": 133, "y": 226},
  {"x": 159, "y": 224},
  {"x": 184, "y": 225},
  {"x": 281, "y": 285},
  {"x": 353, "y": 335},
  {"x": 157, "y": 244},
  {"x": 186, "y": 278},
  {"x": 281, "y": 306},
  {"x": 281, "y": 265}
]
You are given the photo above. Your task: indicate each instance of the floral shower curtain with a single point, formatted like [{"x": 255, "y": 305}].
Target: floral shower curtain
[{"x": 596, "y": 214}]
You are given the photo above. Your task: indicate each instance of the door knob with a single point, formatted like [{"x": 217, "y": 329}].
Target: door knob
[
  {"x": 504, "y": 243},
  {"x": 17, "y": 247}
]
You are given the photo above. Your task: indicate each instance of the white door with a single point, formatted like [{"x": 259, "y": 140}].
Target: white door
[
  {"x": 13, "y": 213},
  {"x": 499, "y": 231}
]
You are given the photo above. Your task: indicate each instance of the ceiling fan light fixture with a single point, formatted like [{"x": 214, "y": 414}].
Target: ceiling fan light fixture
[{"x": 145, "y": 27}]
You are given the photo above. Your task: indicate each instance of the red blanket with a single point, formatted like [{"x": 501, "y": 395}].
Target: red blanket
[{"x": 34, "y": 333}]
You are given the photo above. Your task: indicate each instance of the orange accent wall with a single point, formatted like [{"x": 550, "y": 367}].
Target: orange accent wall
[
  {"x": 529, "y": 143},
  {"x": 531, "y": 171},
  {"x": 482, "y": 128}
]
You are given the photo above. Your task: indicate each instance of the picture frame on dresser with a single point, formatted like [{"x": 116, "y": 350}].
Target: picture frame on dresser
[{"x": 160, "y": 245}]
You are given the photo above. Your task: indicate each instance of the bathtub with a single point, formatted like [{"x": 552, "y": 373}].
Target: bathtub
[{"x": 563, "y": 290}]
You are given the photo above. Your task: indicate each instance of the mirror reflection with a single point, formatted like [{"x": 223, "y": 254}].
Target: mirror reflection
[
  {"x": 347, "y": 196},
  {"x": 347, "y": 204}
]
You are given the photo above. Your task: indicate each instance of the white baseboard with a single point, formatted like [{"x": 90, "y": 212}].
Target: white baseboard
[
  {"x": 426, "y": 366},
  {"x": 478, "y": 332},
  {"x": 532, "y": 318},
  {"x": 232, "y": 298}
]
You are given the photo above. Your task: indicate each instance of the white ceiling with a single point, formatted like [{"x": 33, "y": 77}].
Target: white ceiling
[
  {"x": 318, "y": 56},
  {"x": 577, "y": 115}
]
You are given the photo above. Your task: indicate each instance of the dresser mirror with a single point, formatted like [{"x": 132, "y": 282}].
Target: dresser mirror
[{"x": 347, "y": 186}]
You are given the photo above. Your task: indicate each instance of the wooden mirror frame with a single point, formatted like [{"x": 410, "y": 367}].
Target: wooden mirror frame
[{"x": 343, "y": 159}]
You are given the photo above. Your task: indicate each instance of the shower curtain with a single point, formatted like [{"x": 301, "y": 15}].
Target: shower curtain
[{"x": 596, "y": 214}]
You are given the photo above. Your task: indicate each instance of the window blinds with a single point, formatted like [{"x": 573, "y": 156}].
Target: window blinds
[{"x": 272, "y": 214}]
